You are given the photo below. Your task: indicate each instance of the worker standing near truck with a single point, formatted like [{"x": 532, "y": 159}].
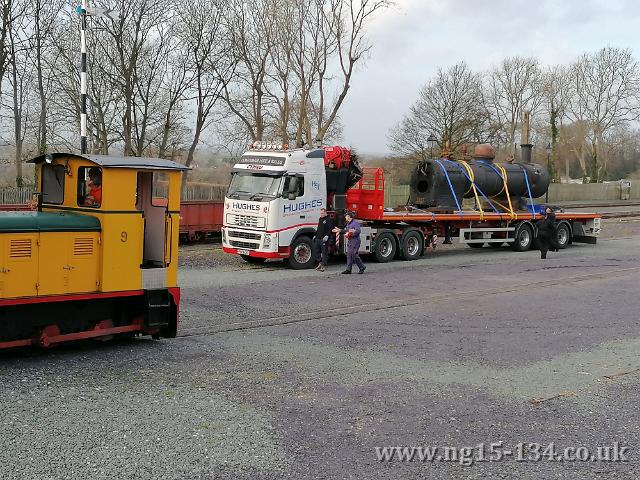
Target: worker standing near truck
[
  {"x": 322, "y": 239},
  {"x": 352, "y": 233},
  {"x": 547, "y": 233}
]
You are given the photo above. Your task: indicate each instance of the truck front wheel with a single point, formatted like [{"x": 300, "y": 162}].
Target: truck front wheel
[{"x": 301, "y": 256}]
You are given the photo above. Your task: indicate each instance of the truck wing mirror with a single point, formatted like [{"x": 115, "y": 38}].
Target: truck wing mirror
[{"x": 291, "y": 196}]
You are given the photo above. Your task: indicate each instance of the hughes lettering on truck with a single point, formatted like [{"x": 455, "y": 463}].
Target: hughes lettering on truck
[{"x": 273, "y": 204}]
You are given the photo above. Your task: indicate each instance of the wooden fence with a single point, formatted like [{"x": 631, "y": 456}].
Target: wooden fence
[
  {"x": 394, "y": 195},
  {"x": 14, "y": 195}
]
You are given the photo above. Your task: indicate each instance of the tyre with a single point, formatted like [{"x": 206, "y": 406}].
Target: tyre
[
  {"x": 496, "y": 244},
  {"x": 301, "y": 256},
  {"x": 256, "y": 260},
  {"x": 563, "y": 235},
  {"x": 476, "y": 236},
  {"x": 524, "y": 238},
  {"x": 385, "y": 247},
  {"x": 412, "y": 245}
]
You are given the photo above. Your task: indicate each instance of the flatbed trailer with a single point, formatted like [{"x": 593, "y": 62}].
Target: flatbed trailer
[{"x": 406, "y": 232}]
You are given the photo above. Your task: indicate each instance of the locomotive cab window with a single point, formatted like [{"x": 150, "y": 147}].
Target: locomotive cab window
[
  {"x": 90, "y": 187},
  {"x": 53, "y": 184}
]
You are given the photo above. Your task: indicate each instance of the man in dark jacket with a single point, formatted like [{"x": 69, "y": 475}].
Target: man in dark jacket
[
  {"x": 547, "y": 233},
  {"x": 323, "y": 239}
]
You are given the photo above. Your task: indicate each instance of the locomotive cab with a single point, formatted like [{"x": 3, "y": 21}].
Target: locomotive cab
[{"x": 99, "y": 255}]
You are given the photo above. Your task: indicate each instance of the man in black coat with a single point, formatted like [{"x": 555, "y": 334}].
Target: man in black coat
[
  {"x": 547, "y": 233},
  {"x": 323, "y": 239}
]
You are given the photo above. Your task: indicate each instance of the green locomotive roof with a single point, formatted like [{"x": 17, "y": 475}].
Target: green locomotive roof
[{"x": 13, "y": 222}]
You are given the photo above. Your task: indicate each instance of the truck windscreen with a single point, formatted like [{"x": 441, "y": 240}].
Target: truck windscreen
[{"x": 254, "y": 185}]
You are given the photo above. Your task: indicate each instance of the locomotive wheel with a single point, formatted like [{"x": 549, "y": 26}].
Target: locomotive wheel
[
  {"x": 250, "y": 259},
  {"x": 412, "y": 245},
  {"x": 385, "y": 247},
  {"x": 301, "y": 256},
  {"x": 563, "y": 235},
  {"x": 524, "y": 238}
]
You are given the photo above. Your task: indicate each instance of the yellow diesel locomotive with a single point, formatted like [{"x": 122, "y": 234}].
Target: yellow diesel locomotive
[{"x": 99, "y": 256}]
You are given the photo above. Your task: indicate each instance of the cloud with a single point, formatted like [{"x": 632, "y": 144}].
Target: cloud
[{"x": 415, "y": 38}]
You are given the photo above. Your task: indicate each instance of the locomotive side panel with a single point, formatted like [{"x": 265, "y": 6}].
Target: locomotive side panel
[{"x": 18, "y": 264}]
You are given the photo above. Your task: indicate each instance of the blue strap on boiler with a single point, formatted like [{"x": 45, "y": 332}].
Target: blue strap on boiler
[
  {"x": 453, "y": 192},
  {"x": 526, "y": 179}
]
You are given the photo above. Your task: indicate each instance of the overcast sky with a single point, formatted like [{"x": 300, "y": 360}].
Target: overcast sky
[{"x": 415, "y": 38}]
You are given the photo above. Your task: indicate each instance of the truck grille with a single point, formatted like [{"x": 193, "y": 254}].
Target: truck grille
[
  {"x": 245, "y": 235},
  {"x": 238, "y": 244},
  {"x": 245, "y": 220}
]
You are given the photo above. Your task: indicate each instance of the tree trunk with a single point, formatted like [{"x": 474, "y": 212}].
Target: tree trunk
[
  {"x": 17, "y": 119},
  {"x": 192, "y": 151},
  {"x": 42, "y": 123}
]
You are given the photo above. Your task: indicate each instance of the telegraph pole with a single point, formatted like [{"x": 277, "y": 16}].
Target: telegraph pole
[
  {"x": 83, "y": 76},
  {"x": 84, "y": 11}
]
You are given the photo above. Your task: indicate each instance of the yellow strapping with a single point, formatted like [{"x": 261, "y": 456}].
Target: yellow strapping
[
  {"x": 473, "y": 185},
  {"x": 506, "y": 189}
]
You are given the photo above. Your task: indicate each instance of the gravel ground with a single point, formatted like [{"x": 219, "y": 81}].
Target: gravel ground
[{"x": 483, "y": 333}]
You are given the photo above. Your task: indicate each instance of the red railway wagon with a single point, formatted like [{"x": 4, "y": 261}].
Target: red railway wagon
[
  {"x": 14, "y": 207},
  {"x": 199, "y": 218}
]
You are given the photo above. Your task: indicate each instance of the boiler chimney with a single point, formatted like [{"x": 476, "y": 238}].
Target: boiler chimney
[{"x": 525, "y": 146}]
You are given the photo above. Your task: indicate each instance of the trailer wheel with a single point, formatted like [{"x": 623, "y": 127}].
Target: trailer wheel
[
  {"x": 476, "y": 236},
  {"x": 385, "y": 247},
  {"x": 563, "y": 235},
  {"x": 301, "y": 253},
  {"x": 412, "y": 245},
  {"x": 250, "y": 259},
  {"x": 523, "y": 239}
]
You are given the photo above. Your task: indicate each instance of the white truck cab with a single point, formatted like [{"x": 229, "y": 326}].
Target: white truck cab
[{"x": 273, "y": 204}]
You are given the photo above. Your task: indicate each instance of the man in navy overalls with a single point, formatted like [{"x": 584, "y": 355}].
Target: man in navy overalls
[{"x": 352, "y": 233}]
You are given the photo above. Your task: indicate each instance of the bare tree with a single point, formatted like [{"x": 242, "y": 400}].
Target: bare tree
[
  {"x": 203, "y": 37},
  {"x": 44, "y": 20},
  {"x": 127, "y": 40},
  {"x": 556, "y": 84},
  {"x": 513, "y": 87},
  {"x": 252, "y": 32},
  {"x": 449, "y": 107},
  {"x": 607, "y": 96},
  {"x": 348, "y": 20}
]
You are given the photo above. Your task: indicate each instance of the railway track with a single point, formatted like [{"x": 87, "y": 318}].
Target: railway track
[{"x": 325, "y": 313}]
